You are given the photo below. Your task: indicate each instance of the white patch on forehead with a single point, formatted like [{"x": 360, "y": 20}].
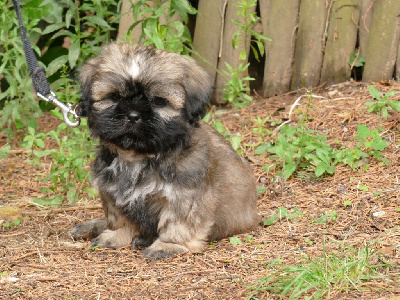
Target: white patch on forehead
[{"x": 135, "y": 70}]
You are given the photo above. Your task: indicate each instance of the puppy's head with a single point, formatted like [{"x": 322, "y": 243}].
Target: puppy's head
[{"x": 143, "y": 99}]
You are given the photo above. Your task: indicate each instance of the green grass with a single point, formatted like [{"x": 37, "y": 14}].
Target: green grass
[{"x": 318, "y": 277}]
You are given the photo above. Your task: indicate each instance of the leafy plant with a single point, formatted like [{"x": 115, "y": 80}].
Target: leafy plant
[
  {"x": 261, "y": 129},
  {"x": 246, "y": 24},
  {"x": 327, "y": 218},
  {"x": 62, "y": 33},
  {"x": 4, "y": 151},
  {"x": 14, "y": 223},
  {"x": 347, "y": 203},
  {"x": 371, "y": 142},
  {"x": 261, "y": 190},
  {"x": 282, "y": 214},
  {"x": 296, "y": 148},
  {"x": 16, "y": 98},
  {"x": 237, "y": 87},
  {"x": 317, "y": 276},
  {"x": 34, "y": 140},
  {"x": 234, "y": 240},
  {"x": 74, "y": 151},
  {"x": 356, "y": 59},
  {"x": 382, "y": 103},
  {"x": 159, "y": 25},
  {"x": 85, "y": 27}
]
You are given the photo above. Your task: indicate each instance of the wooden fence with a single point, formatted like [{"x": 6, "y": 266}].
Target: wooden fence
[{"x": 311, "y": 41}]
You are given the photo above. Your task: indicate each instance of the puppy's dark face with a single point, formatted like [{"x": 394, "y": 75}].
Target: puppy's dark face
[{"x": 143, "y": 99}]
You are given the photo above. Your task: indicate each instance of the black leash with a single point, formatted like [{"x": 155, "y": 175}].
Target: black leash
[{"x": 38, "y": 75}]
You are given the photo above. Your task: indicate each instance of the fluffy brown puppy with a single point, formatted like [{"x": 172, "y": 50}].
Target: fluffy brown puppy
[{"x": 168, "y": 182}]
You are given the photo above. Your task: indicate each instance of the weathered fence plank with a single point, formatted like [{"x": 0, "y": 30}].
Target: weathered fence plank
[
  {"x": 309, "y": 45},
  {"x": 367, "y": 7},
  {"x": 383, "y": 41},
  {"x": 341, "y": 41},
  {"x": 279, "y": 22},
  {"x": 207, "y": 35},
  {"x": 227, "y": 53}
]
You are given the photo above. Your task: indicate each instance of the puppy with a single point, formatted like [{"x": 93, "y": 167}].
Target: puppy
[{"x": 167, "y": 181}]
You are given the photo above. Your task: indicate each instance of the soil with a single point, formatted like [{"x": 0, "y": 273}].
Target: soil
[{"x": 39, "y": 260}]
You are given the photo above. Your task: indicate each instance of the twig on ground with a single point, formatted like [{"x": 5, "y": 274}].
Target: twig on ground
[{"x": 291, "y": 111}]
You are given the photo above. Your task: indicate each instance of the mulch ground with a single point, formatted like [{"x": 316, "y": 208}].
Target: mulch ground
[{"x": 39, "y": 260}]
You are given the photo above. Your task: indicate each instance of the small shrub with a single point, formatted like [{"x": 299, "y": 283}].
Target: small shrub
[
  {"x": 169, "y": 33},
  {"x": 382, "y": 103}
]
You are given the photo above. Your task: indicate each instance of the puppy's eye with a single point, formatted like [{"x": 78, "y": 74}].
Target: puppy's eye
[
  {"x": 159, "y": 102},
  {"x": 113, "y": 96}
]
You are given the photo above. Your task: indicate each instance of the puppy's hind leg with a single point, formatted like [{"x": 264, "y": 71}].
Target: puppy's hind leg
[{"x": 89, "y": 229}]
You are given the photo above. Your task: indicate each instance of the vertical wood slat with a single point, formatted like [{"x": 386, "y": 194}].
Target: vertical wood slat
[
  {"x": 228, "y": 54},
  {"x": 207, "y": 35},
  {"x": 279, "y": 22},
  {"x": 383, "y": 41},
  {"x": 367, "y": 7},
  {"x": 341, "y": 41},
  {"x": 309, "y": 45}
]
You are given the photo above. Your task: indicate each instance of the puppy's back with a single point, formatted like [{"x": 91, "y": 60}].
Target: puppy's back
[{"x": 234, "y": 190}]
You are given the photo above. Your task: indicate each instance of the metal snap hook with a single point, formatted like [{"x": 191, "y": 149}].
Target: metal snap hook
[{"x": 66, "y": 109}]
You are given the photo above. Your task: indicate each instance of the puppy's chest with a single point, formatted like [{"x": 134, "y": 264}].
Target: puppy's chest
[{"x": 128, "y": 182}]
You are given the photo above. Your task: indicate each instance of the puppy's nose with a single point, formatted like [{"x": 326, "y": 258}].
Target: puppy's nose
[{"x": 134, "y": 116}]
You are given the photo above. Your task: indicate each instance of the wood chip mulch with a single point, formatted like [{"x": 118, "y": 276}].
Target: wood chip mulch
[{"x": 39, "y": 260}]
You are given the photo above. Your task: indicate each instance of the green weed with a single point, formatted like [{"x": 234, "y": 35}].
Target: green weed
[
  {"x": 261, "y": 131},
  {"x": 235, "y": 241},
  {"x": 14, "y": 223},
  {"x": 318, "y": 276},
  {"x": 282, "y": 214},
  {"x": 347, "y": 203},
  {"x": 237, "y": 90},
  {"x": 85, "y": 27},
  {"x": 326, "y": 219},
  {"x": 168, "y": 33},
  {"x": 297, "y": 148},
  {"x": 16, "y": 99},
  {"x": 356, "y": 59},
  {"x": 74, "y": 151},
  {"x": 382, "y": 103}
]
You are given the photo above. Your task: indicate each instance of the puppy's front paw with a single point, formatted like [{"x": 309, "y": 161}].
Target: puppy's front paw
[
  {"x": 113, "y": 238},
  {"x": 161, "y": 250},
  {"x": 141, "y": 242},
  {"x": 89, "y": 229}
]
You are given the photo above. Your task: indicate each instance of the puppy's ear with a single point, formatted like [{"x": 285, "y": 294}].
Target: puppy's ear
[
  {"x": 86, "y": 75},
  {"x": 198, "y": 91}
]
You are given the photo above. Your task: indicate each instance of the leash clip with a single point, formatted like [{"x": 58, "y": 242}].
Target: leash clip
[{"x": 65, "y": 108}]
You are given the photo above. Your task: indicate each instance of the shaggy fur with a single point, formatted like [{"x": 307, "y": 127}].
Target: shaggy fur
[{"x": 168, "y": 182}]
